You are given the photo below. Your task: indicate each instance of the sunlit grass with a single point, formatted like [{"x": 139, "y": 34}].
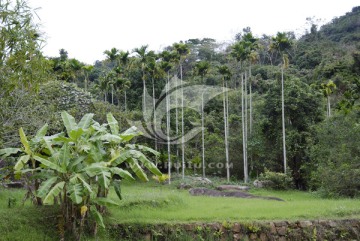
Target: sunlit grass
[
  {"x": 27, "y": 222},
  {"x": 31, "y": 223},
  {"x": 155, "y": 203}
]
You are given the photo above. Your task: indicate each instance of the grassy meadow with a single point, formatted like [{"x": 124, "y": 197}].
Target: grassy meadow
[
  {"x": 155, "y": 203},
  {"x": 152, "y": 203}
]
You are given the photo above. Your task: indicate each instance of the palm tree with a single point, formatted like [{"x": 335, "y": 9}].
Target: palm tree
[
  {"x": 173, "y": 58},
  {"x": 124, "y": 60},
  {"x": 251, "y": 44},
  {"x": 87, "y": 69},
  {"x": 328, "y": 89},
  {"x": 165, "y": 65},
  {"x": 104, "y": 86},
  {"x": 281, "y": 43},
  {"x": 244, "y": 132},
  {"x": 143, "y": 58},
  {"x": 240, "y": 51},
  {"x": 112, "y": 54},
  {"x": 110, "y": 80},
  {"x": 182, "y": 50},
  {"x": 224, "y": 71},
  {"x": 120, "y": 83},
  {"x": 201, "y": 69},
  {"x": 156, "y": 73}
]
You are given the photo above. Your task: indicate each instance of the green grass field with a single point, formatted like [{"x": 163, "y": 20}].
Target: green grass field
[{"x": 155, "y": 203}]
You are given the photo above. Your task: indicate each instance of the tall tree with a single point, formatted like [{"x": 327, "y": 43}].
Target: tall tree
[
  {"x": 87, "y": 69},
  {"x": 328, "y": 89},
  {"x": 166, "y": 66},
  {"x": 182, "y": 50},
  {"x": 142, "y": 55},
  {"x": 240, "y": 52},
  {"x": 156, "y": 74},
  {"x": 281, "y": 43},
  {"x": 124, "y": 60},
  {"x": 224, "y": 71},
  {"x": 112, "y": 54},
  {"x": 251, "y": 44},
  {"x": 201, "y": 69}
]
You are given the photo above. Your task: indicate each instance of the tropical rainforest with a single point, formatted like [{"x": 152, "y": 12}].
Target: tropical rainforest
[{"x": 289, "y": 106}]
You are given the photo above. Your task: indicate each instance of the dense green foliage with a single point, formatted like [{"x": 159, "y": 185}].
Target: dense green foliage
[{"x": 337, "y": 167}]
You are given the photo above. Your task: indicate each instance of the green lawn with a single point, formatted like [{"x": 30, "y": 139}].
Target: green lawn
[{"x": 155, "y": 203}]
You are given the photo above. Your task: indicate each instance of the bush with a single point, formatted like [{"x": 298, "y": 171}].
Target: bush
[
  {"x": 343, "y": 181},
  {"x": 335, "y": 157},
  {"x": 276, "y": 180}
]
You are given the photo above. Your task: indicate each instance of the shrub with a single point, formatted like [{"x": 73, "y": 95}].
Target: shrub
[
  {"x": 343, "y": 181},
  {"x": 276, "y": 180}
]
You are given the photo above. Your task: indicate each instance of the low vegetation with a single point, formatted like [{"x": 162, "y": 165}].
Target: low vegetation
[{"x": 154, "y": 203}]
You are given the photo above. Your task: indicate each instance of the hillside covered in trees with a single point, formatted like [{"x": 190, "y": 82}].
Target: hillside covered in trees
[{"x": 292, "y": 105}]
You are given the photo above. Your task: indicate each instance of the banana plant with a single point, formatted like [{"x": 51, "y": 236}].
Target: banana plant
[
  {"x": 26, "y": 161},
  {"x": 81, "y": 165}
]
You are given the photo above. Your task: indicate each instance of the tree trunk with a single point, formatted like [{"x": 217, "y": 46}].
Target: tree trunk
[
  {"x": 283, "y": 117},
  {"x": 203, "y": 134},
  {"x": 251, "y": 117},
  {"x": 246, "y": 120},
  {"x": 250, "y": 103},
  {"x": 168, "y": 127},
  {"x": 154, "y": 113},
  {"x": 125, "y": 101},
  {"x": 112, "y": 94},
  {"x": 144, "y": 89},
  {"x": 243, "y": 129},
  {"x": 182, "y": 127},
  {"x": 328, "y": 106},
  {"x": 177, "y": 129},
  {"x": 226, "y": 135}
]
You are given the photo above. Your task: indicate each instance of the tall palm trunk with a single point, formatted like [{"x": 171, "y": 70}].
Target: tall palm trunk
[
  {"x": 246, "y": 118},
  {"x": 177, "y": 128},
  {"x": 154, "y": 112},
  {"x": 168, "y": 127},
  {"x": 226, "y": 134},
  {"x": 182, "y": 127},
  {"x": 85, "y": 83},
  {"x": 227, "y": 125},
  {"x": 283, "y": 117},
  {"x": 250, "y": 103},
  {"x": 328, "y": 106},
  {"x": 243, "y": 129},
  {"x": 251, "y": 115},
  {"x": 125, "y": 101},
  {"x": 112, "y": 94},
  {"x": 144, "y": 90},
  {"x": 203, "y": 134}
]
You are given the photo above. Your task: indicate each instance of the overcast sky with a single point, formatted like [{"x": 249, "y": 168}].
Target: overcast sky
[{"x": 85, "y": 28}]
